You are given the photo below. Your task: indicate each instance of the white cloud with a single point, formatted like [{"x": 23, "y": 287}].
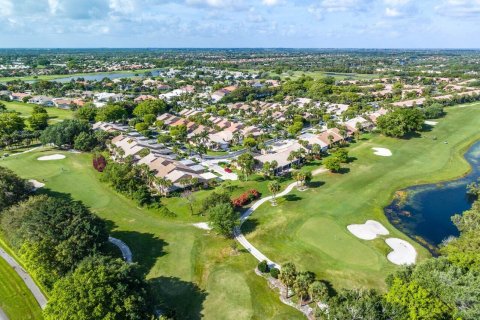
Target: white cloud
[
  {"x": 393, "y": 13},
  {"x": 53, "y": 5},
  {"x": 122, "y": 6},
  {"x": 459, "y": 8},
  {"x": 6, "y": 8},
  {"x": 270, "y": 2}
]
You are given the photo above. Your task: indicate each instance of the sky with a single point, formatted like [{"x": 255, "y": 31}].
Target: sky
[{"x": 240, "y": 23}]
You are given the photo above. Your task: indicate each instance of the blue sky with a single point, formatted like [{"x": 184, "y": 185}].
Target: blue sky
[{"x": 241, "y": 23}]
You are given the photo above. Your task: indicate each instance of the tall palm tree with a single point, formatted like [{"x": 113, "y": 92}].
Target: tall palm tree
[{"x": 274, "y": 188}]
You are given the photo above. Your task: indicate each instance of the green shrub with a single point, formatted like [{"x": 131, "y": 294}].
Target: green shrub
[
  {"x": 263, "y": 267},
  {"x": 274, "y": 272}
]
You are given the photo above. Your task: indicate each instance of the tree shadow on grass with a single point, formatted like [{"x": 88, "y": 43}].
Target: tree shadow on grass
[
  {"x": 351, "y": 159},
  {"x": 146, "y": 247},
  {"x": 292, "y": 197},
  {"x": 177, "y": 298},
  {"x": 249, "y": 225},
  {"x": 343, "y": 170},
  {"x": 315, "y": 184}
]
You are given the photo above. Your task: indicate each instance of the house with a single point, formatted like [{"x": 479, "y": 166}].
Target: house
[
  {"x": 331, "y": 137},
  {"x": 144, "y": 97},
  {"x": 280, "y": 153},
  {"x": 313, "y": 139},
  {"x": 18, "y": 96},
  {"x": 353, "y": 124},
  {"x": 42, "y": 100},
  {"x": 219, "y": 94}
]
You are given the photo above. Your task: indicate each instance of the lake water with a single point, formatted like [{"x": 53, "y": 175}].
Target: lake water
[
  {"x": 97, "y": 77},
  {"x": 424, "y": 212}
]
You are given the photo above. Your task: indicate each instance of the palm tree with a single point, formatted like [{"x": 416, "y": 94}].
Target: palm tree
[
  {"x": 164, "y": 184},
  {"x": 301, "y": 285},
  {"x": 274, "y": 188},
  {"x": 287, "y": 276}
]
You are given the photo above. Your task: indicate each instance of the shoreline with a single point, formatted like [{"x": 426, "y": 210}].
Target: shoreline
[{"x": 394, "y": 203}]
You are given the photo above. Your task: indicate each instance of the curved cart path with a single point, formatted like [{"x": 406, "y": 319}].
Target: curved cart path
[
  {"x": 241, "y": 238},
  {"x": 126, "y": 252},
  {"x": 3, "y": 315},
  {"x": 31, "y": 285}
]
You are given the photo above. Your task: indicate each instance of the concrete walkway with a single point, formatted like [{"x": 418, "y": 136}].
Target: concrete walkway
[
  {"x": 241, "y": 238},
  {"x": 31, "y": 285},
  {"x": 3, "y": 315},
  {"x": 126, "y": 252}
]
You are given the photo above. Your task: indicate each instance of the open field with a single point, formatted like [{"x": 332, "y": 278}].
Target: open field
[
  {"x": 25, "y": 109},
  {"x": 15, "y": 298},
  {"x": 194, "y": 271},
  {"x": 77, "y": 75},
  {"x": 309, "y": 228}
]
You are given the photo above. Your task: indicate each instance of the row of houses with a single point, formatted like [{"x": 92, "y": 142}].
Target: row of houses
[{"x": 221, "y": 133}]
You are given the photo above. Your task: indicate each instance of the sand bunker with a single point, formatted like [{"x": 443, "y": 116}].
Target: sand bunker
[
  {"x": 403, "y": 252},
  {"x": 52, "y": 157},
  {"x": 368, "y": 231},
  {"x": 36, "y": 184},
  {"x": 383, "y": 152},
  {"x": 431, "y": 123},
  {"x": 202, "y": 225}
]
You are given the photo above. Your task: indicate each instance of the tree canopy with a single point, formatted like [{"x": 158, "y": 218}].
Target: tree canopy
[{"x": 100, "y": 288}]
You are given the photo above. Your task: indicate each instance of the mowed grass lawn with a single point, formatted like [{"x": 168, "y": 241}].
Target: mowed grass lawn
[
  {"x": 310, "y": 228},
  {"x": 190, "y": 269},
  {"x": 25, "y": 110},
  {"x": 15, "y": 298}
]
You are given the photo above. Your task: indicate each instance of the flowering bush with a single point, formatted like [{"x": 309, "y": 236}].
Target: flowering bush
[
  {"x": 228, "y": 170},
  {"x": 246, "y": 198},
  {"x": 99, "y": 162}
]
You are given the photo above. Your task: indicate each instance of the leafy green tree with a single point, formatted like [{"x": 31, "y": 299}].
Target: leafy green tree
[
  {"x": 179, "y": 132},
  {"x": 318, "y": 291},
  {"x": 13, "y": 189},
  {"x": 223, "y": 219},
  {"x": 10, "y": 122},
  {"x": 53, "y": 235},
  {"x": 64, "y": 133},
  {"x": 100, "y": 288},
  {"x": 38, "y": 121},
  {"x": 150, "y": 106},
  {"x": 111, "y": 113},
  {"x": 418, "y": 302},
  {"x": 332, "y": 163},
  {"x": 357, "y": 304},
  {"x": 288, "y": 274},
  {"x": 434, "y": 111},
  {"x": 246, "y": 162},
  {"x": 214, "y": 198},
  {"x": 401, "y": 121},
  {"x": 88, "y": 112},
  {"x": 141, "y": 126},
  {"x": 85, "y": 141},
  {"x": 342, "y": 155}
]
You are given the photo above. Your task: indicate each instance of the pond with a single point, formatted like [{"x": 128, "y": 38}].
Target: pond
[
  {"x": 118, "y": 75},
  {"x": 424, "y": 212}
]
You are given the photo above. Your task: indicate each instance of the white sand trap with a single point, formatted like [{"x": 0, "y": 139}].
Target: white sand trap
[
  {"x": 52, "y": 157},
  {"x": 202, "y": 225},
  {"x": 431, "y": 123},
  {"x": 403, "y": 252},
  {"x": 383, "y": 152},
  {"x": 368, "y": 231},
  {"x": 36, "y": 184}
]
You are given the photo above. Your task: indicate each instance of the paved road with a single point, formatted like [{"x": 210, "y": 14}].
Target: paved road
[
  {"x": 3, "y": 316},
  {"x": 241, "y": 238},
  {"x": 126, "y": 252},
  {"x": 37, "y": 293}
]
